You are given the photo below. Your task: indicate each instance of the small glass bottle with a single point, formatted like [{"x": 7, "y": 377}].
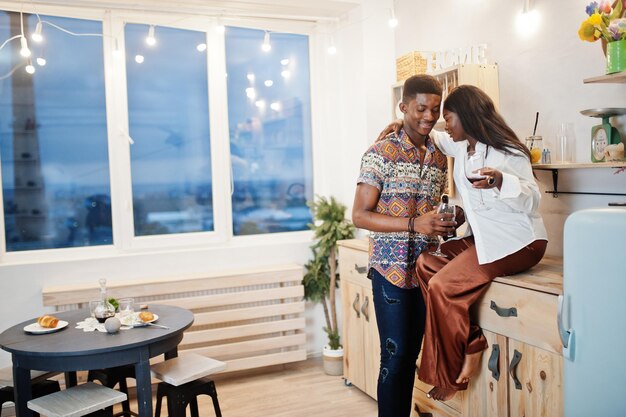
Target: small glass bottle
[{"x": 105, "y": 309}]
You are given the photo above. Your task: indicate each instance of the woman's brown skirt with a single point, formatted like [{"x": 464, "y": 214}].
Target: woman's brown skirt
[{"x": 450, "y": 286}]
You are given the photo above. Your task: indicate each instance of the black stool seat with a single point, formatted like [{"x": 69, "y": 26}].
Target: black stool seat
[
  {"x": 115, "y": 376},
  {"x": 40, "y": 389},
  {"x": 178, "y": 397}
]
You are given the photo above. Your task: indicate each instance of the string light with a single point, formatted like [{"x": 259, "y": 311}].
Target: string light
[
  {"x": 266, "y": 47},
  {"x": 285, "y": 73},
  {"x": 276, "y": 106},
  {"x": 150, "y": 39},
  {"x": 41, "y": 61},
  {"x": 284, "y": 61},
  {"x": 220, "y": 28},
  {"x": 393, "y": 22},
  {"x": 139, "y": 59},
  {"x": 37, "y": 37},
  {"x": 30, "y": 68},
  {"x": 332, "y": 49},
  {"x": 24, "y": 51},
  {"x": 250, "y": 76},
  {"x": 268, "y": 83},
  {"x": 201, "y": 47}
]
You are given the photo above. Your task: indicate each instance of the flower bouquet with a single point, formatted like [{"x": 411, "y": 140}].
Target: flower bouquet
[{"x": 606, "y": 22}]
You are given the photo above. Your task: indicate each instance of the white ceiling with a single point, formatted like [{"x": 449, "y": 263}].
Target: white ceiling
[{"x": 294, "y": 9}]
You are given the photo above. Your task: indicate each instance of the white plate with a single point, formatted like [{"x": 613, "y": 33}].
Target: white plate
[
  {"x": 134, "y": 319},
  {"x": 35, "y": 328}
]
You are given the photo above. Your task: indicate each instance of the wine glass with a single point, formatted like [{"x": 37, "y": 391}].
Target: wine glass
[
  {"x": 450, "y": 209},
  {"x": 474, "y": 162}
]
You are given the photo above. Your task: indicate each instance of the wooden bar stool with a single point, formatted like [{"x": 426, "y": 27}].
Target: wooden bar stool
[
  {"x": 184, "y": 378},
  {"x": 40, "y": 385},
  {"x": 115, "y": 376},
  {"x": 78, "y": 401}
]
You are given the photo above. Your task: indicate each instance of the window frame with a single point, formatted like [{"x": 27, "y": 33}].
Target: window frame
[{"x": 124, "y": 240}]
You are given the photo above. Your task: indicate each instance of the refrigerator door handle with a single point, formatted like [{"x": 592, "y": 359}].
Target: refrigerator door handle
[{"x": 567, "y": 336}]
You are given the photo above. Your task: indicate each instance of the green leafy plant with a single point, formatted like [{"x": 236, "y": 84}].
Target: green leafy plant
[{"x": 320, "y": 278}]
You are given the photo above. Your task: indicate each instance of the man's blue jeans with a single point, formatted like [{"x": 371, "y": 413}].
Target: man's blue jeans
[{"x": 400, "y": 314}]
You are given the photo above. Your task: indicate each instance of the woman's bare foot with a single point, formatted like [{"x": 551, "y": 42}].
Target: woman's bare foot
[
  {"x": 470, "y": 366},
  {"x": 441, "y": 394}
]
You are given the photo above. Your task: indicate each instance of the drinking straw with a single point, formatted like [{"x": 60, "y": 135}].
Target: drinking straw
[{"x": 532, "y": 141}]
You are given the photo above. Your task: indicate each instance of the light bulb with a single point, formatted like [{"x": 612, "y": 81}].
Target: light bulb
[
  {"x": 275, "y": 106},
  {"x": 251, "y": 93},
  {"x": 393, "y": 22},
  {"x": 285, "y": 73},
  {"x": 37, "y": 35},
  {"x": 30, "y": 68},
  {"x": 260, "y": 104},
  {"x": 268, "y": 83},
  {"x": 266, "y": 47},
  {"x": 24, "y": 51},
  {"x": 139, "y": 59},
  {"x": 201, "y": 47},
  {"x": 251, "y": 77},
  {"x": 220, "y": 28},
  {"x": 41, "y": 61},
  {"x": 150, "y": 39},
  {"x": 284, "y": 61}
]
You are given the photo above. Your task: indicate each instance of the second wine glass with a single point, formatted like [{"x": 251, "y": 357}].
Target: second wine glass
[
  {"x": 450, "y": 209},
  {"x": 473, "y": 163}
]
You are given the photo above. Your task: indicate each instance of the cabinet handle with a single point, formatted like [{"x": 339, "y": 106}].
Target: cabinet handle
[
  {"x": 565, "y": 334},
  {"x": 503, "y": 312},
  {"x": 365, "y": 308},
  {"x": 494, "y": 360},
  {"x": 421, "y": 414},
  {"x": 360, "y": 269},
  {"x": 517, "y": 357},
  {"x": 355, "y": 306}
]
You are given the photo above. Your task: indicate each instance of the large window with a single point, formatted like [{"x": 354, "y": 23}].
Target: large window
[
  {"x": 72, "y": 177},
  {"x": 270, "y": 130},
  {"x": 53, "y": 137},
  {"x": 169, "y": 123}
]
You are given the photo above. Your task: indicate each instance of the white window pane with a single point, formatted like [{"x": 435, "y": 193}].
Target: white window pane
[
  {"x": 169, "y": 124},
  {"x": 269, "y": 110},
  {"x": 53, "y": 137}
]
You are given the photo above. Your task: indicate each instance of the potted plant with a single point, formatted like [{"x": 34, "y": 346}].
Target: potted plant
[{"x": 320, "y": 279}]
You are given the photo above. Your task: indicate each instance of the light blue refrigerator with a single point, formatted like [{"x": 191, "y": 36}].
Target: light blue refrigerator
[{"x": 592, "y": 313}]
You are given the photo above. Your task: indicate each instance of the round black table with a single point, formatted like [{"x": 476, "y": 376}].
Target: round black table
[{"x": 70, "y": 350}]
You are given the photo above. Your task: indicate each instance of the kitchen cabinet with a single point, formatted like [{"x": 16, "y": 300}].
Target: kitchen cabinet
[
  {"x": 361, "y": 345},
  {"x": 518, "y": 315}
]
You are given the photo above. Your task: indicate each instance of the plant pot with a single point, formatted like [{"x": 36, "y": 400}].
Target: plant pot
[
  {"x": 333, "y": 361},
  {"x": 616, "y": 56}
]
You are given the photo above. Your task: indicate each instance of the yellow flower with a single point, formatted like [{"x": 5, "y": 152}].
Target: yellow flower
[
  {"x": 587, "y": 32},
  {"x": 595, "y": 19}
]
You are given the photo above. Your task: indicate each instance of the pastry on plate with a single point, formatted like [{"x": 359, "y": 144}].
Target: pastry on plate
[
  {"x": 146, "y": 316},
  {"x": 49, "y": 322}
]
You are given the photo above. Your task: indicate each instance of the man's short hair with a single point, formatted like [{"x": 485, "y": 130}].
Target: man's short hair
[{"x": 420, "y": 84}]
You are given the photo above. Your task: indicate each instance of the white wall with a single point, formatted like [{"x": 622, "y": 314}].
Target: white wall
[{"x": 541, "y": 72}]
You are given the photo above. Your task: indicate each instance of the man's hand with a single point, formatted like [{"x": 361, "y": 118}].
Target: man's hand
[
  {"x": 393, "y": 127},
  {"x": 435, "y": 224}
]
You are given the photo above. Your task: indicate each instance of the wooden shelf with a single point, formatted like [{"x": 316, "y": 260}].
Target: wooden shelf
[
  {"x": 577, "y": 165},
  {"x": 619, "y": 77}
]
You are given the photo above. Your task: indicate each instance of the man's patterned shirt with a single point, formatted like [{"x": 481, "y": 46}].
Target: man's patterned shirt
[{"x": 407, "y": 188}]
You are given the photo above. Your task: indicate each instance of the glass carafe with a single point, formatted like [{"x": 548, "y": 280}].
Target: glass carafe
[{"x": 105, "y": 309}]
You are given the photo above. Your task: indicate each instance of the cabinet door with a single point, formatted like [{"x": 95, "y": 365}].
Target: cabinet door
[
  {"x": 487, "y": 392},
  {"x": 353, "y": 349},
  {"x": 371, "y": 343},
  {"x": 535, "y": 381}
]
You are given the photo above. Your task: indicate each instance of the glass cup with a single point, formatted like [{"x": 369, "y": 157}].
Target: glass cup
[
  {"x": 126, "y": 309},
  {"x": 93, "y": 306},
  {"x": 565, "y": 143},
  {"x": 535, "y": 146}
]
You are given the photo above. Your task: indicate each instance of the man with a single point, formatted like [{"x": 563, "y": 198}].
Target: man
[{"x": 402, "y": 178}]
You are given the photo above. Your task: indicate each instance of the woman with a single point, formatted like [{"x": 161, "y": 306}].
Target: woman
[{"x": 505, "y": 236}]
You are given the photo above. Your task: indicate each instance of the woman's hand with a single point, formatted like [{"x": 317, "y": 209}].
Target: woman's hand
[
  {"x": 493, "y": 179},
  {"x": 393, "y": 127},
  {"x": 434, "y": 224}
]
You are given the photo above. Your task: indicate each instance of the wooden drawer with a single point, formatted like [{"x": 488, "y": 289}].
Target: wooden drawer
[
  {"x": 422, "y": 406},
  {"x": 353, "y": 265},
  {"x": 534, "y": 321}
]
